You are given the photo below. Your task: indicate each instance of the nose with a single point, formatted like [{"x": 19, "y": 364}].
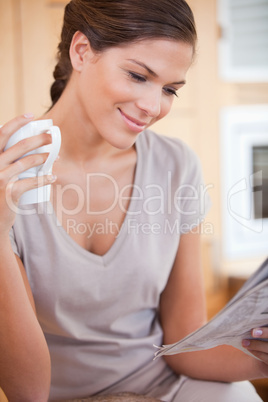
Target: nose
[{"x": 150, "y": 103}]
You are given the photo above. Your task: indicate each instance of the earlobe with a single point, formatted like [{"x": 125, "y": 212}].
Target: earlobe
[{"x": 79, "y": 49}]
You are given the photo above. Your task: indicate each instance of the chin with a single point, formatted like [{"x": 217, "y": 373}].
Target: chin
[{"x": 126, "y": 143}]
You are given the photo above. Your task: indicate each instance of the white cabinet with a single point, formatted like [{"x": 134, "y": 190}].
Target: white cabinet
[{"x": 243, "y": 42}]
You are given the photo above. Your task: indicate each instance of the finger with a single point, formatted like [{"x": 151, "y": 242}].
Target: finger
[
  {"x": 23, "y": 147},
  {"x": 260, "y": 355},
  {"x": 12, "y": 172},
  {"x": 258, "y": 346},
  {"x": 12, "y": 126},
  {"x": 24, "y": 164},
  {"x": 15, "y": 189},
  {"x": 261, "y": 333}
]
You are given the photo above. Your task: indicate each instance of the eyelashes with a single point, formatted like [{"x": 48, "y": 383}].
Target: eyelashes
[
  {"x": 137, "y": 77},
  {"x": 141, "y": 78},
  {"x": 170, "y": 91}
]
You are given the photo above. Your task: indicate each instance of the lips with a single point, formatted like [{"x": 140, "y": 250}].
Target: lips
[{"x": 133, "y": 124}]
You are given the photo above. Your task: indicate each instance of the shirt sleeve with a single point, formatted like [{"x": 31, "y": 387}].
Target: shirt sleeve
[
  {"x": 191, "y": 197},
  {"x": 13, "y": 242}
]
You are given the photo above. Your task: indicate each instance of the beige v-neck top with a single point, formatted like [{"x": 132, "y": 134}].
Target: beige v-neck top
[{"x": 99, "y": 313}]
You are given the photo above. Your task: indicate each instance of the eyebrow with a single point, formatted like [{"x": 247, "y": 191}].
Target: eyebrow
[{"x": 151, "y": 72}]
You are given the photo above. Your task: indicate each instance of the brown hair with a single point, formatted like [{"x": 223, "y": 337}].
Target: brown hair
[{"x": 109, "y": 23}]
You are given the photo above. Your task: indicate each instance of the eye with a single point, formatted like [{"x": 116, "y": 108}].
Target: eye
[
  {"x": 137, "y": 77},
  {"x": 170, "y": 91}
]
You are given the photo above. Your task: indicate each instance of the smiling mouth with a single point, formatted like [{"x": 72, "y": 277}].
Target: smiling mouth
[{"x": 134, "y": 124}]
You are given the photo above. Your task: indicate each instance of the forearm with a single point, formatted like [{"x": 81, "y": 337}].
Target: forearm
[
  {"x": 223, "y": 363},
  {"x": 25, "y": 361}
]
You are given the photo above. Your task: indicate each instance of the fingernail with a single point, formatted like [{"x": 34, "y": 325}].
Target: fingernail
[
  {"x": 28, "y": 115},
  {"x": 245, "y": 342},
  {"x": 257, "y": 332},
  {"x": 51, "y": 178}
]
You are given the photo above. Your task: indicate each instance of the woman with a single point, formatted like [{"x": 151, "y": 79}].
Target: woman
[{"x": 112, "y": 265}]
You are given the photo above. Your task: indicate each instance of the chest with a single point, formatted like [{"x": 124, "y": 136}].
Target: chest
[{"x": 91, "y": 206}]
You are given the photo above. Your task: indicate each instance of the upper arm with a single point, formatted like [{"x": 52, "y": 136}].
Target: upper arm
[
  {"x": 26, "y": 282},
  {"x": 182, "y": 304}
]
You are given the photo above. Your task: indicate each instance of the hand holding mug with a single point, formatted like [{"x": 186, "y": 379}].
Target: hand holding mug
[
  {"x": 23, "y": 167},
  {"x": 34, "y": 128}
]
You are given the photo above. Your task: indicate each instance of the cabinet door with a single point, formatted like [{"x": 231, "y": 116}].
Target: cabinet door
[{"x": 243, "y": 55}]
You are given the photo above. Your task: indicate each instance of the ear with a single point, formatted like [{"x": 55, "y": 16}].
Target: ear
[{"x": 80, "y": 50}]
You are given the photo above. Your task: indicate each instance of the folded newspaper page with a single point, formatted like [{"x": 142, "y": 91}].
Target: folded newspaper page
[{"x": 248, "y": 309}]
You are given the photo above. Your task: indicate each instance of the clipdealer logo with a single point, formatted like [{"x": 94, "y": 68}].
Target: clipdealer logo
[{"x": 150, "y": 209}]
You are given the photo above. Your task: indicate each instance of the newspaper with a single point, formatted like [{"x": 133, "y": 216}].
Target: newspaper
[{"x": 248, "y": 309}]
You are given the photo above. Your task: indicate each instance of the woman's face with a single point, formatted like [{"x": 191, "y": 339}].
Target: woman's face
[{"x": 126, "y": 89}]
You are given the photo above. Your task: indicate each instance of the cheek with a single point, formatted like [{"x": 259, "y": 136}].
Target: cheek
[
  {"x": 166, "y": 107},
  {"x": 117, "y": 90}
]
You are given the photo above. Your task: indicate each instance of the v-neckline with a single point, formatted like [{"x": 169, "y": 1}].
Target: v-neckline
[{"x": 122, "y": 235}]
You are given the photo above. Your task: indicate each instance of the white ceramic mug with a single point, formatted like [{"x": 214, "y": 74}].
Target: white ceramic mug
[{"x": 40, "y": 194}]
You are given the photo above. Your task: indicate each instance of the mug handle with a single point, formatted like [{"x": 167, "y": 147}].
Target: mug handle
[{"x": 55, "y": 148}]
